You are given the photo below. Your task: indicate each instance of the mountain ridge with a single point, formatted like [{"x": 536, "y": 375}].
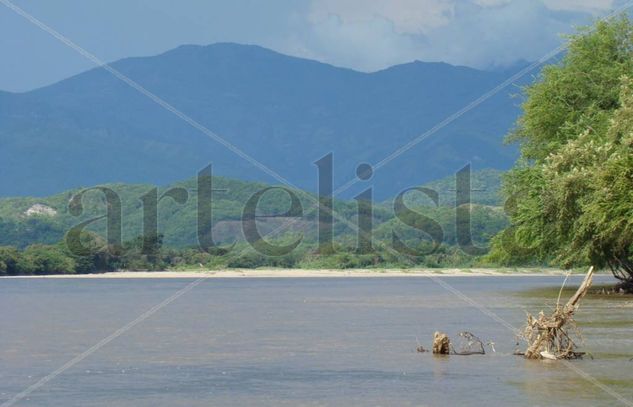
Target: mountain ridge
[
  {"x": 284, "y": 111},
  {"x": 514, "y": 67}
]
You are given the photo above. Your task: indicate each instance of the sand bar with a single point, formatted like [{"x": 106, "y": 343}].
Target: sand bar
[{"x": 311, "y": 273}]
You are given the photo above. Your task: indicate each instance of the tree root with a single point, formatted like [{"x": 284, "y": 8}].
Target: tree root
[{"x": 624, "y": 287}]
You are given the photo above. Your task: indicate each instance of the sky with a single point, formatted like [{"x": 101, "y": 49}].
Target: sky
[{"x": 366, "y": 35}]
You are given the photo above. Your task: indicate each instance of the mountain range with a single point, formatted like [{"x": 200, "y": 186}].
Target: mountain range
[{"x": 283, "y": 111}]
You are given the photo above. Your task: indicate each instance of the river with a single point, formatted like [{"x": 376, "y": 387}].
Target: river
[{"x": 300, "y": 341}]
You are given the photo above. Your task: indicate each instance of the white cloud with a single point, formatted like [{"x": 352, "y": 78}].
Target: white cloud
[
  {"x": 406, "y": 16},
  {"x": 491, "y": 3},
  {"x": 373, "y": 34},
  {"x": 591, "y": 6},
  {"x": 367, "y": 45}
]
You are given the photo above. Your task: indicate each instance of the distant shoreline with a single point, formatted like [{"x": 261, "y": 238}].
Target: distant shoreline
[{"x": 305, "y": 273}]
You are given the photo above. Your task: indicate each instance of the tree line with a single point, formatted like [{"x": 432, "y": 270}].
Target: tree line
[{"x": 136, "y": 256}]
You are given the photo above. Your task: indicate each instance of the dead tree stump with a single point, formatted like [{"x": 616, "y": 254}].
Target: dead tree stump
[
  {"x": 441, "y": 344},
  {"x": 548, "y": 336}
]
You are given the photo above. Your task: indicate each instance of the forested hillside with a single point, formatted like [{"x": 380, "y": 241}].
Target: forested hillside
[{"x": 28, "y": 223}]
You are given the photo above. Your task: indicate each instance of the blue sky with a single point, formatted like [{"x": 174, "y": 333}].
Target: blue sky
[{"x": 362, "y": 34}]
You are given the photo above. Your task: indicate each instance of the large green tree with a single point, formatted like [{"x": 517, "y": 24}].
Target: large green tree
[{"x": 570, "y": 193}]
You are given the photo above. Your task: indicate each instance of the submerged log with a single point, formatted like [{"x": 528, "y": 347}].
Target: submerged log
[{"x": 548, "y": 336}]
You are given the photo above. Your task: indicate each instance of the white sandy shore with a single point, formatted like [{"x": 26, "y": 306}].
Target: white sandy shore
[{"x": 302, "y": 273}]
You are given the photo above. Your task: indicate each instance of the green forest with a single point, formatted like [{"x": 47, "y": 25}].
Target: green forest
[{"x": 33, "y": 230}]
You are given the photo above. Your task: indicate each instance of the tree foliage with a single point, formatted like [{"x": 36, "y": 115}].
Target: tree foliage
[
  {"x": 9, "y": 260},
  {"x": 570, "y": 194}
]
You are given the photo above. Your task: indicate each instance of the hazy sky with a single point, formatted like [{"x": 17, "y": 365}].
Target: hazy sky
[{"x": 361, "y": 34}]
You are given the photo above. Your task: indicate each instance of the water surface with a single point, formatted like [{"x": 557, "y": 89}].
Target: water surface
[{"x": 347, "y": 341}]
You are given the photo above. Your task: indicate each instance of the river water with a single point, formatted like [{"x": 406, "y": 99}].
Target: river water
[{"x": 303, "y": 341}]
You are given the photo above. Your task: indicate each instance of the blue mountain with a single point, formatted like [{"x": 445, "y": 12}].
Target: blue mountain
[{"x": 283, "y": 111}]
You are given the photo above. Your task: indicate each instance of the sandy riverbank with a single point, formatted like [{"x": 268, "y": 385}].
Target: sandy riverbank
[{"x": 302, "y": 273}]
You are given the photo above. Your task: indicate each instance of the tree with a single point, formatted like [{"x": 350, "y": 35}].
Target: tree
[
  {"x": 41, "y": 259},
  {"x": 144, "y": 253},
  {"x": 94, "y": 256},
  {"x": 569, "y": 195},
  {"x": 9, "y": 257}
]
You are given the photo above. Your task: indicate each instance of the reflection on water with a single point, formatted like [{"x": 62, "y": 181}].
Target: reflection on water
[{"x": 297, "y": 342}]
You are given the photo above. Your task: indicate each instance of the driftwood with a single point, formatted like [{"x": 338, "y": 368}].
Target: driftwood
[
  {"x": 468, "y": 345},
  {"x": 441, "y": 344},
  {"x": 549, "y": 336}
]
